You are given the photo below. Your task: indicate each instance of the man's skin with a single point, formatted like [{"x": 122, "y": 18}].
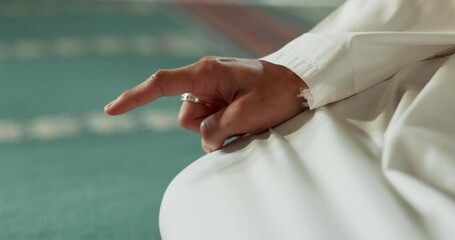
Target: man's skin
[{"x": 242, "y": 95}]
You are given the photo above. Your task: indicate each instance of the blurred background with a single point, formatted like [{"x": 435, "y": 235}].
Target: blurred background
[{"x": 68, "y": 171}]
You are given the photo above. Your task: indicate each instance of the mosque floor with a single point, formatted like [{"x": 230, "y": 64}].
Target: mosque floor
[{"x": 67, "y": 171}]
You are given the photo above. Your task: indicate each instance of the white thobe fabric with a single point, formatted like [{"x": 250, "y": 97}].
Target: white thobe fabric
[{"x": 373, "y": 159}]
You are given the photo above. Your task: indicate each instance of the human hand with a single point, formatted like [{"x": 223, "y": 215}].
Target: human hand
[{"x": 242, "y": 96}]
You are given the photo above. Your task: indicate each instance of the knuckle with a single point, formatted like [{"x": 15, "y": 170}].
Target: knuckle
[
  {"x": 207, "y": 58},
  {"x": 127, "y": 94},
  {"x": 160, "y": 74},
  {"x": 157, "y": 80},
  {"x": 209, "y": 64}
]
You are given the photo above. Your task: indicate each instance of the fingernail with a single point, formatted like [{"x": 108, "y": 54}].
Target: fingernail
[{"x": 109, "y": 105}]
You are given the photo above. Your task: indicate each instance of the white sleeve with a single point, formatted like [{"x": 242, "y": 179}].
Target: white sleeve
[{"x": 365, "y": 42}]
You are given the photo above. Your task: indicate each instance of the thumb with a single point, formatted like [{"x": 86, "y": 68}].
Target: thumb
[
  {"x": 214, "y": 130},
  {"x": 218, "y": 127}
]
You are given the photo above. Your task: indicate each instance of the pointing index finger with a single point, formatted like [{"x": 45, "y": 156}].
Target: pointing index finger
[{"x": 162, "y": 83}]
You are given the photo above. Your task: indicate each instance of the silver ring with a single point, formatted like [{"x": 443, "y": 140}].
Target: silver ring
[{"x": 186, "y": 97}]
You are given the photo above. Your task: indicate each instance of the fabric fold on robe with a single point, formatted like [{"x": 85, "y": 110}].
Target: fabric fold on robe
[
  {"x": 377, "y": 165},
  {"x": 374, "y": 159}
]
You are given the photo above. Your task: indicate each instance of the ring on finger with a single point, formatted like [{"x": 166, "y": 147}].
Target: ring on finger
[{"x": 186, "y": 97}]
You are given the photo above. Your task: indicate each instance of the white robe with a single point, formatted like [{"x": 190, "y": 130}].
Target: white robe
[{"x": 373, "y": 159}]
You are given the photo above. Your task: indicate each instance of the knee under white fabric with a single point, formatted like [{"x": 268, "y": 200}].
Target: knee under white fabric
[{"x": 377, "y": 165}]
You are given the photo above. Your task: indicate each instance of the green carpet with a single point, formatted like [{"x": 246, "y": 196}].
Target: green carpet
[{"x": 67, "y": 171}]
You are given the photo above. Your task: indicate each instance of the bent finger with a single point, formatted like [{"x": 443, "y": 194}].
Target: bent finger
[{"x": 192, "y": 114}]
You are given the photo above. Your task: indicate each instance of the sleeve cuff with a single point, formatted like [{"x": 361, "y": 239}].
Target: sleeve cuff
[{"x": 321, "y": 63}]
